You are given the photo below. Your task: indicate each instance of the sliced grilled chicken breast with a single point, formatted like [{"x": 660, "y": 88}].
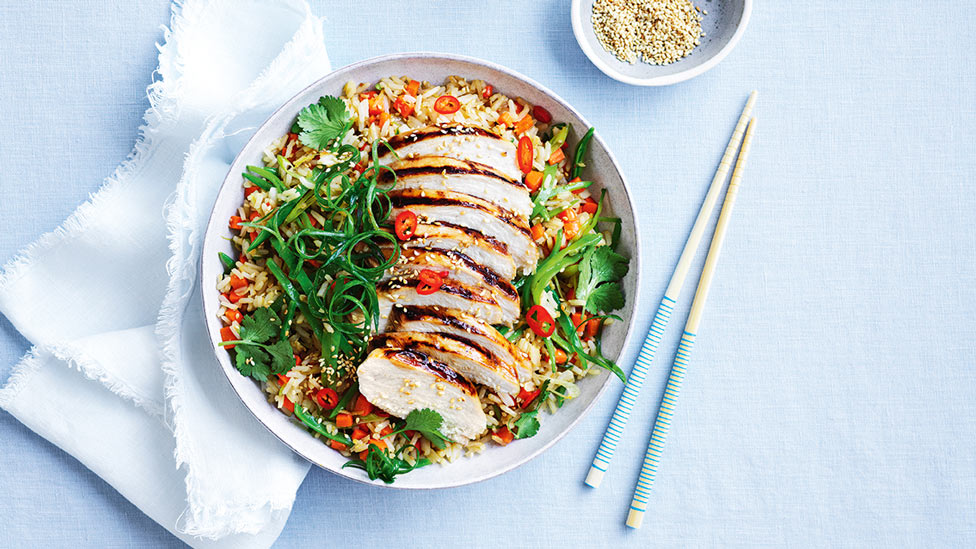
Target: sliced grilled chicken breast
[
  {"x": 400, "y": 381},
  {"x": 451, "y": 295},
  {"x": 460, "y": 324},
  {"x": 448, "y": 174},
  {"x": 454, "y": 141},
  {"x": 461, "y": 355},
  {"x": 473, "y": 213},
  {"x": 458, "y": 267},
  {"x": 482, "y": 249}
]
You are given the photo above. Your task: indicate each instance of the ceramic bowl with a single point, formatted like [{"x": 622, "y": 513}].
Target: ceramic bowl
[
  {"x": 601, "y": 168},
  {"x": 724, "y": 24}
]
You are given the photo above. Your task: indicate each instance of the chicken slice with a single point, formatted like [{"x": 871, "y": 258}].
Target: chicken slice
[
  {"x": 458, "y": 267},
  {"x": 400, "y": 381},
  {"x": 457, "y": 323},
  {"x": 455, "y": 141},
  {"x": 451, "y": 295},
  {"x": 473, "y": 213},
  {"x": 460, "y": 354},
  {"x": 468, "y": 177},
  {"x": 482, "y": 249}
]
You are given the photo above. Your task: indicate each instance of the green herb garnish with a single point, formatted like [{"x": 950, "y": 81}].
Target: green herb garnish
[
  {"x": 323, "y": 122},
  {"x": 600, "y": 270},
  {"x": 426, "y": 422},
  {"x": 381, "y": 465},
  {"x": 261, "y": 351},
  {"x": 526, "y": 425}
]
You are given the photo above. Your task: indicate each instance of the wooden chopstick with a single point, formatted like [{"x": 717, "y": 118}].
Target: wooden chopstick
[
  {"x": 635, "y": 381},
  {"x": 655, "y": 448}
]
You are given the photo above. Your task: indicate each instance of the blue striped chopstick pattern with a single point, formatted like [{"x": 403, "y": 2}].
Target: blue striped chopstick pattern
[
  {"x": 659, "y": 435},
  {"x": 635, "y": 381}
]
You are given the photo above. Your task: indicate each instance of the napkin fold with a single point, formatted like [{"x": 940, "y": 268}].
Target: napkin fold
[{"x": 121, "y": 375}]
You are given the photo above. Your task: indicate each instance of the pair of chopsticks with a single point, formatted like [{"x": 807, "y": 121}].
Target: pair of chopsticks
[{"x": 601, "y": 463}]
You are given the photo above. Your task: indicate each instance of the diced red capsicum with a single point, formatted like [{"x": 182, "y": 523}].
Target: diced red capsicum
[
  {"x": 504, "y": 435},
  {"x": 541, "y": 114}
]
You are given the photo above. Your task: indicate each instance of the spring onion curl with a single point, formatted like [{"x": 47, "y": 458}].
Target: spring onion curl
[{"x": 329, "y": 269}]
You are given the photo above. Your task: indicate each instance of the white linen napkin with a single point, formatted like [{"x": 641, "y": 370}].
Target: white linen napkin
[{"x": 121, "y": 364}]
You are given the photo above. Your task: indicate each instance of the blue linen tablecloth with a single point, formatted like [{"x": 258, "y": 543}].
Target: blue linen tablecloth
[{"x": 831, "y": 398}]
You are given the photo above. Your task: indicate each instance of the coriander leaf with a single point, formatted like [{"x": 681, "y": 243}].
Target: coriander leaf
[
  {"x": 426, "y": 422},
  {"x": 259, "y": 326},
  {"x": 282, "y": 356},
  {"x": 252, "y": 361},
  {"x": 323, "y": 122},
  {"x": 527, "y": 425},
  {"x": 606, "y": 297},
  {"x": 608, "y": 264},
  {"x": 599, "y": 271}
]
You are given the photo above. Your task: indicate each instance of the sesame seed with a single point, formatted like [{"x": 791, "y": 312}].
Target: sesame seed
[{"x": 658, "y": 32}]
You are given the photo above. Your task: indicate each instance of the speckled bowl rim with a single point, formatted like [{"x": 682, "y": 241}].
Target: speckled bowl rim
[{"x": 283, "y": 427}]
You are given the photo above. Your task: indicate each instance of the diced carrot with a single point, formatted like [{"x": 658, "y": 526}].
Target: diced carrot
[
  {"x": 375, "y": 105},
  {"x": 237, "y": 282},
  {"x": 235, "y": 222},
  {"x": 381, "y": 444},
  {"x": 384, "y": 116},
  {"x": 344, "y": 420},
  {"x": 336, "y": 445},
  {"x": 413, "y": 87},
  {"x": 505, "y": 119},
  {"x": 577, "y": 319},
  {"x": 568, "y": 214},
  {"x": 233, "y": 315},
  {"x": 533, "y": 180},
  {"x": 281, "y": 379},
  {"x": 359, "y": 432},
  {"x": 589, "y": 206},
  {"x": 538, "y": 232},
  {"x": 561, "y": 357},
  {"x": 233, "y": 297},
  {"x": 571, "y": 229},
  {"x": 592, "y": 328},
  {"x": 254, "y": 215},
  {"x": 524, "y": 124},
  {"x": 577, "y": 180},
  {"x": 504, "y": 435},
  {"x": 557, "y": 156},
  {"x": 405, "y": 109},
  {"x": 249, "y": 190},
  {"x": 226, "y": 334},
  {"x": 386, "y": 430},
  {"x": 363, "y": 407},
  {"x": 288, "y": 405}
]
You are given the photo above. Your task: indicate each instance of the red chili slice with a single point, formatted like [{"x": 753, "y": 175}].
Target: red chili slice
[
  {"x": 430, "y": 281},
  {"x": 525, "y": 153},
  {"x": 541, "y": 114},
  {"x": 327, "y": 398},
  {"x": 405, "y": 225},
  {"x": 540, "y": 321},
  {"x": 447, "y": 104},
  {"x": 488, "y": 91}
]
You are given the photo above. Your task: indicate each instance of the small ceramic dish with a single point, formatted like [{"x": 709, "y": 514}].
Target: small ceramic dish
[
  {"x": 600, "y": 168},
  {"x": 724, "y": 24}
]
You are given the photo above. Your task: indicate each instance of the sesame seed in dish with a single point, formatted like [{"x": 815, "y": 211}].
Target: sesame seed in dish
[{"x": 657, "y": 32}]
